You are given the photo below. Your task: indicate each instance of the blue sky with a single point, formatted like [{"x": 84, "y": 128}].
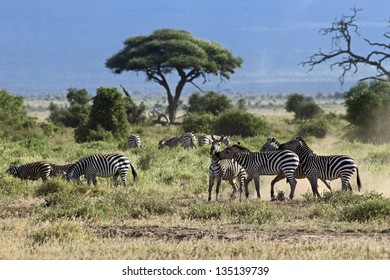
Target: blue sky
[{"x": 48, "y": 46}]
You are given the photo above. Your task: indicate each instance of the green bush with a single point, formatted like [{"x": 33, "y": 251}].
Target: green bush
[
  {"x": 240, "y": 123},
  {"x": 212, "y": 103},
  {"x": 199, "y": 123},
  {"x": 318, "y": 127},
  {"x": 303, "y": 107}
]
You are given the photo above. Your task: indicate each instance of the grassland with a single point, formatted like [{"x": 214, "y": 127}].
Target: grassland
[{"x": 165, "y": 213}]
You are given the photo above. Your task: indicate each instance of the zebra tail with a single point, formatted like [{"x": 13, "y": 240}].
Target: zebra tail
[
  {"x": 359, "y": 183},
  {"x": 133, "y": 171}
]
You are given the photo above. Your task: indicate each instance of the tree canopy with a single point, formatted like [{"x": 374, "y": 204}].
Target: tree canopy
[{"x": 168, "y": 51}]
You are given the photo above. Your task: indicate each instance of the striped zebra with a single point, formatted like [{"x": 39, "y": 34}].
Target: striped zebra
[
  {"x": 208, "y": 139},
  {"x": 31, "y": 171},
  {"x": 101, "y": 165},
  {"x": 273, "y": 145},
  {"x": 134, "y": 141},
  {"x": 325, "y": 167},
  {"x": 226, "y": 169},
  {"x": 267, "y": 163},
  {"x": 187, "y": 140},
  {"x": 59, "y": 170}
]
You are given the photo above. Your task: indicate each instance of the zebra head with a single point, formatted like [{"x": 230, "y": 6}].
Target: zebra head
[
  {"x": 216, "y": 145},
  {"x": 161, "y": 144},
  {"x": 270, "y": 145},
  {"x": 297, "y": 145},
  {"x": 13, "y": 170},
  {"x": 231, "y": 152}
]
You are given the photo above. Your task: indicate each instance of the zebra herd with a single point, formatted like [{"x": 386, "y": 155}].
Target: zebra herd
[
  {"x": 291, "y": 160},
  {"x": 112, "y": 165}
]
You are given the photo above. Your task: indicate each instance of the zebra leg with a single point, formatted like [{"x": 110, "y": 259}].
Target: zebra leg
[
  {"x": 246, "y": 183},
  {"x": 116, "y": 183},
  {"x": 278, "y": 177},
  {"x": 234, "y": 186},
  {"x": 327, "y": 184},
  {"x": 211, "y": 183},
  {"x": 314, "y": 185},
  {"x": 345, "y": 185},
  {"x": 293, "y": 184},
  {"x": 257, "y": 185},
  {"x": 217, "y": 188}
]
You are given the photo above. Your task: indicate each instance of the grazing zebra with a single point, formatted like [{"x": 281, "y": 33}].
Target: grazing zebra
[
  {"x": 226, "y": 169},
  {"x": 267, "y": 163},
  {"x": 31, "y": 171},
  {"x": 59, "y": 170},
  {"x": 273, "y": 145},
  {"x": 208, "y": 139},
  {"x": 134, "y": 141},
  {"x": 325, "y": 167},
  {"x": 172, "y": 142},
  {"x": 101, "y": 165},
  {"x": 187, "y": 140}
]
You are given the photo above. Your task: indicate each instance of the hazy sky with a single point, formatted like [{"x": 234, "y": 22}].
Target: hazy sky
[{"x": 48, "y": 46}]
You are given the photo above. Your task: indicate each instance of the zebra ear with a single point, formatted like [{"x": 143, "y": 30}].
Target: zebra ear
[{"x": 212, "y": 137}]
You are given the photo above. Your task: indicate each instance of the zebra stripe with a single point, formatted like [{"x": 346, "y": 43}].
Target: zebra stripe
[
  {"x": 31, "y": 171},
  {"x": 103, "y": 166},
  {"x": 273, "y": 145},
  {"x": 134, "y": 141},
  {"x": 59, "y": 170},
  {"x": 208, "y": 139},
  {"x": 267, "y": 163},
  {"x": 326, "y": 167},
  {"x": 172, "y": 142},
  {"x": 187, "y": 140},
  {"x": 226, "y": 169}
]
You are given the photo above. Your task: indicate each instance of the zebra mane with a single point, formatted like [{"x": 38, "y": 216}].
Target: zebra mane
[
  {"x": 304, "y": 144},
  {"x": 238, "y": 145}
]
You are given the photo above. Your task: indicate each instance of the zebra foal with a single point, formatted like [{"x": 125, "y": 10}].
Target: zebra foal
[
  {"x": 225, "y": 169},
  {"x": 324, "y": 167},
  {"x": 267, "y": 163},
  {"x": 31, "y": 171},
  {"x": 273, "y": 145},
  {"x": 103, "y": 166}
]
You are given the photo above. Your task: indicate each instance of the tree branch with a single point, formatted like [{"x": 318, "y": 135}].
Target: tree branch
[{"x": 341, "y": 48}]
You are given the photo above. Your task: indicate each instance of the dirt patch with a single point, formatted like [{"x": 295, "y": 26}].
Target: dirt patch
[{"x": 183, "y": 234}]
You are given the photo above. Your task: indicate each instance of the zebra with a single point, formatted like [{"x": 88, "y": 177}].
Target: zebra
[
  {"x": 31, "y": 171},
  {"x": 186, "y": 140},
  {"x": 208, "y": 139},
  {"x": 134, "y": 141},
  {"x": 101, "y": 165},
  {"x": 172, "y": 142},
  {"x": 226, "y": 169},
  {"x": 59, "y": 170},
  {"x": 325, "y": 167},
  {"x": 263, "y": 163},
  {"x": 273, "y": 145}
]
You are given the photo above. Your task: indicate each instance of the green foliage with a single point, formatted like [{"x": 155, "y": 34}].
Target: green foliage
[
  {"x": 317, "y": 127},
  {"x": 368, "y": 109},
  {"x": 199, "y": 123},
  {"x": 169, "y": 50},
  {"x": 241, "y": 123},
  {"x": 14, "y": 122},
  {"x": 303, "y": 107},
  {"x": 211, "y": 102},
  {"x": 107, "y": 118},
  {"x": 74, "y": 115}
]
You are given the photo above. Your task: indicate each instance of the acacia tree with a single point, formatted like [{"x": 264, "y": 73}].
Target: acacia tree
[
  {"x": 344, "y": 32},
  {"x": 167, "y": 51}
]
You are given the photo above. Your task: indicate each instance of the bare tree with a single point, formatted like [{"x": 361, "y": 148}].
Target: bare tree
[{"x": 343, "y": 32}]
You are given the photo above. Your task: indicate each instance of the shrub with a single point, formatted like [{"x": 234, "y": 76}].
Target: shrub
[
  {"x": 241, "y": 123},
  {"x": 317, "y": 127},
  {"x": 211, "y": 102},
  {"x": 198, "y": 123},
  {"x": 303, "y": 107}
]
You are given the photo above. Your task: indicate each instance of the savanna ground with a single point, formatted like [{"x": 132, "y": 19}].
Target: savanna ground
[{"x": 165, "y": 213}]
